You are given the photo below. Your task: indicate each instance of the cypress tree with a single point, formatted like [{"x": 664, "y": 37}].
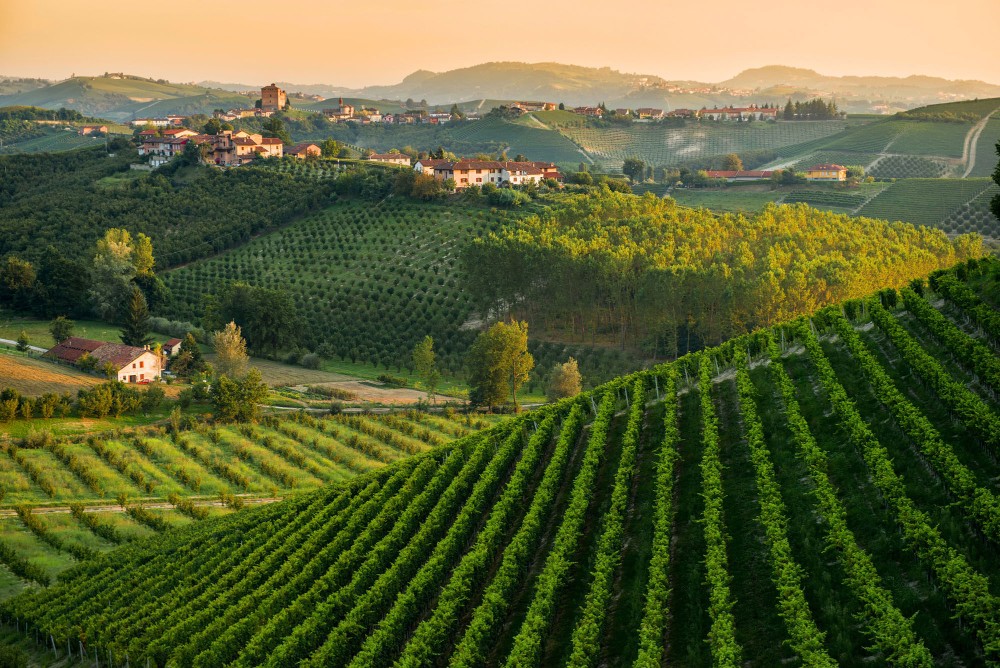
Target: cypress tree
[{"x": 135, "y": 331}]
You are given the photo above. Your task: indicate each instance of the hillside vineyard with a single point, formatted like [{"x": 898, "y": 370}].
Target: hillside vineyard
[{"x": 822, "y": 492}]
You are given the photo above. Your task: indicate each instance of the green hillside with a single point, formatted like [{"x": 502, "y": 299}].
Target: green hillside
[
  {"x": 819, "y": 493},
  {"x": 124, "y": 98}
]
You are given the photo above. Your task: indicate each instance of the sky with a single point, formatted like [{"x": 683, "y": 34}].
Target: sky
[{"x": 380, "y": 41}]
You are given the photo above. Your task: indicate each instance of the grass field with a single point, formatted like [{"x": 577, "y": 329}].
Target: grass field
[
  {"x": 824, "y": 494},
  {"x": 986, "y": 149}
]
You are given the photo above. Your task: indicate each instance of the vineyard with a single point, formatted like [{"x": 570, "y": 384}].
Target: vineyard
[
  {"x": 68, "y": 493},
  {"x": 697, "y": 141},
  {"x": 51, "y": 141},
  {"x": 908, "y": 167},
  {"x": 820, "y": 493},
  {"x": 923, "y": 201},
  {"x": 975, "y": 216},
  {"x": 986, "y": 149},
  {"x": 371, "y": 281}
]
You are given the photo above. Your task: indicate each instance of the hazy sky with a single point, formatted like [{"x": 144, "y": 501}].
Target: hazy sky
[{"x": 356, "y": 43}]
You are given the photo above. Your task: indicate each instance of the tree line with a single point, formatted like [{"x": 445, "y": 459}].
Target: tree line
[{"x": 660, "y": 279}]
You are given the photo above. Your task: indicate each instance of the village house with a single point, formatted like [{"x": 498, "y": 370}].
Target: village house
[
  {"x": 826, "y": 172},
  {"x": 536, "y": 106},
  {"x": 164, "y": 122},
  {"x": 682, "y": 113},
  {"x": 391, "y": 158},
  {"x": 648, "y": 113},
  {"x": 171, "y": 347},
  {"x": 341, "y": 113},
  {"x": 303, "y": 151},
  {"x": 131, "y": 364},
  {"x": 178, "y": 133},
  {"x": 88, "y": 130},
  {"x": 589, "y": 111},
  {"x": 467, "y": 173},
  {"x": 427, "y": 165},
  {"x": 752, "y": 112},
  {"x": 272, "y": 98}
]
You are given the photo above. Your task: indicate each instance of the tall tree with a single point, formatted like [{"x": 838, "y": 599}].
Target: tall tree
[
  {"x": 61, "y": 328},
  {"x": 426, "y": 366},
  {"x": 189, "y": 360},
  {"x": 789, "y": 112},
  {"x": 230, "y": 351},
  {"x": 499, "y": 362},
  {"x": 112, "y": 274},
  {"x": 634, "y": 169},
  {"x": 135, "y": 329},
  {"x": 564, "y": 381},
  {"x": 732, "y": 162},
  {"x": 267, "y": 318},
  {"x": 17, "y": 280},
  {"x": 239, "y": 400},
  {"x": 142, "y": 255}
]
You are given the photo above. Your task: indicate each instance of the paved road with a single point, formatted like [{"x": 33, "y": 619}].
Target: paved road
[{"x": 13, "y": 344}]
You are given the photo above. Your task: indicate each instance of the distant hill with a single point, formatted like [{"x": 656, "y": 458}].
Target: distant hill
[
  {"x": 571, "y": 84},
  {"x": 912, "y": 89},
  {"x": 122, "y": 99},
  {"x": 17, "y": 85}
]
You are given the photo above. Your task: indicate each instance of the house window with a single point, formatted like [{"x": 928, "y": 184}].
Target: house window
[
  {"x": 142, "y": 364},
  {"x": 133, "y": 365}
]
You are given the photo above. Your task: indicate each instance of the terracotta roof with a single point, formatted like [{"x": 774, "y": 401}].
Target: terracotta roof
[
  {"x": 171, "y": 342},
  {"x": 298, "y": 148},
  {"x": 118, "y": 354},
  {"x": 270, "y": 140},
  {"x": 825, "y": 167},
  {"x": 73, "y": 349}
]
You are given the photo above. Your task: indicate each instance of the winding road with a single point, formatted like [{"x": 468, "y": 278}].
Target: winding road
[{"x": 971, "y": 140}]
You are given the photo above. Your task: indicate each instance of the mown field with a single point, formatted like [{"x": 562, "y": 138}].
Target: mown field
[
  {"x": 74, "y": 495},
  {"x": 820, "y": 494}
]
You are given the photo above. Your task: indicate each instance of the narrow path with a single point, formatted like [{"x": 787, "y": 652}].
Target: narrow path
[
  {"x": 14, "y": 345},
  {"x": 971, "y": 141}
]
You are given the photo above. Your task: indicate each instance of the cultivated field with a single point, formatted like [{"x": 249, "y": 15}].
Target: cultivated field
[
  {"x": 168, "y": 479},
  {"x": 821, "y": 493},
  {"x": 924, "y": 201},
  {"x": 35, "y": 377}
]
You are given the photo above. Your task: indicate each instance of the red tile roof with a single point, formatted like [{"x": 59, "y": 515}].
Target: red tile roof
[
  {"x": 118, "y": 354},
  {"x": 825, "y": 167},
  {"x": 73, "y": 349}
]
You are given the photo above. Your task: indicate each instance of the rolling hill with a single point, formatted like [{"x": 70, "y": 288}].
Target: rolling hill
[
  {"x": 123, "y": 99},
  {"x": 817, "y": 493}
]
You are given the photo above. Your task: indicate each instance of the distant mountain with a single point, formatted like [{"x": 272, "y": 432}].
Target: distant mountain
[
  {"x": 916, "y": 88},
  {"x": 124, "y": 98},
  {"x": 571, "y": 84},
  {"x": 17, "y": 85}
]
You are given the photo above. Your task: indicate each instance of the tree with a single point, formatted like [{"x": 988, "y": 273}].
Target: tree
[
  {"x": 112, "y": 274},
  {"x": 426, "y": 366},
  {"x": 212, "y": 127},
  {"x": 230, "y": 351},
  {"x": 732, "y": 163},
  {"x": 22, "y": 341},
  {"x": 267, "y": 318},
  {"x": 499, "y": 362},
  {"x": 789, "y": 112},
  {"x": 564, "y": 381},
  {"x": 61, "y": 328},
  {"x": 330, "y": 148},
  {"x": 135, "y": 330},
  {"x": 142, "y": 255},
  {"x": 17, "y": 279},
  {"x": 238, "y": 400},
  {"x": 634, "y": 168},
  {"x": 274, "y": 127},
  {"x": 188, "y": 360}
]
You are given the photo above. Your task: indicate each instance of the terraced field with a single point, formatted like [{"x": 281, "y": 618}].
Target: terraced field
[
  {"x": 162, "y": 479},
  {"x": 821, "y": 493}
]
